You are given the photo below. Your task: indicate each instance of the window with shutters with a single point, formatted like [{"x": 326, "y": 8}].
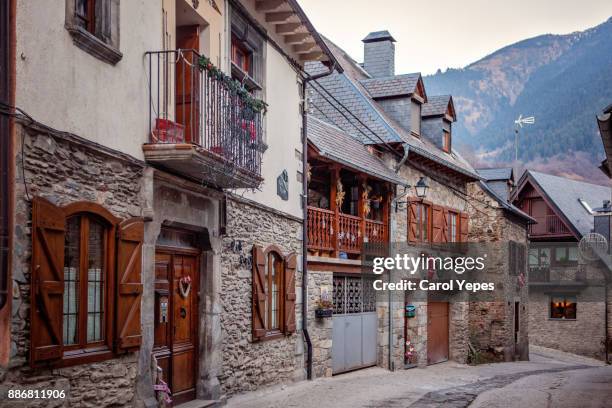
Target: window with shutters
[
  {"x": 86, "y": 283},
  {"x": 273, "y": 293},
  {"x": 446, "y": 142},
  {"x": 452, "y": 227},
  {"x": 94, "y": 27}
]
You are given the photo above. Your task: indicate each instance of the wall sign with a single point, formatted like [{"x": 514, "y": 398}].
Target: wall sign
[{"x": 282, "y": 185}]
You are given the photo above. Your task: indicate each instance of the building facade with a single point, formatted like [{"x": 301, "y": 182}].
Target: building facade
[
  {"x": 392, "y": 118},
  {"x": 568, "y": 290},
  {"x": 156, "y": 220}
]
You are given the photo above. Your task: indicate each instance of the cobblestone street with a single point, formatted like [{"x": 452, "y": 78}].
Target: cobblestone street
[{"x": 551, "y": 378}]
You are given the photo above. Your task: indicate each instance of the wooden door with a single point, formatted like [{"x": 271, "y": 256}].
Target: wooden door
[
  {"x": 176, "y": 330},
  {"x": 437, "y": 332},
  {"x": 188, "y": 81}
]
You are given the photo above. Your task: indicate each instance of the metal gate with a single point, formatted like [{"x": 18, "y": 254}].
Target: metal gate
[{"x": 355, "y": 324}]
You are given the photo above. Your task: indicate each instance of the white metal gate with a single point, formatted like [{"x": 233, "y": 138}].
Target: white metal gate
[{"x": 355, "y": 324}]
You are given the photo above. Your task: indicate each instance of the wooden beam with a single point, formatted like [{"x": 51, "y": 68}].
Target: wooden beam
[
  {"x": 268, "y": 5},
  {"x": 297, "y": 38},
  {"x": 288, "y": 28},
  {"x": 304, "y": 48},
  {"x": 313, "y": 56},
  {"x": 281, "y": 17}
]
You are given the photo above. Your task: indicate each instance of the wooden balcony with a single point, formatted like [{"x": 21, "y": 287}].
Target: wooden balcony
[
  {"x": 331, "y": 232},
  {"x": 548, "y": 226},
  {"x": 199, "y": 127}
]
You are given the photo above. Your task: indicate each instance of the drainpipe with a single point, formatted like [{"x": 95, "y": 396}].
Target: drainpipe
[{"x": 305, "y": 215}]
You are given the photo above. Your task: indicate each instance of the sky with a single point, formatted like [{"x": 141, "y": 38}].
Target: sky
[{"x": 434, "y": 34}]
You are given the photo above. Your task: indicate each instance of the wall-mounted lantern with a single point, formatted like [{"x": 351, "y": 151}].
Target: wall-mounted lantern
[{"x": 421, "y": 188}]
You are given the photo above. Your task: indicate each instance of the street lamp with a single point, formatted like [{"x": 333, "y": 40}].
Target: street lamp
[{"x": 421, "y": 188}]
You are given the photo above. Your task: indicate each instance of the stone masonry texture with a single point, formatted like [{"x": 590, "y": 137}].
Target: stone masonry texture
[
  {"x": 249, "y": 365},
  {"x": 64, "y": 173}
]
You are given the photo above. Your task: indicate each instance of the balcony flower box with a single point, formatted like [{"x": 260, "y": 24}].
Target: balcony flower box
[{"x": 167, "y": 131}]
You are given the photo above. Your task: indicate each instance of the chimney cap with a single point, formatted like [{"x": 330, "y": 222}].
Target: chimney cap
[{"x": 376, "y": 36}]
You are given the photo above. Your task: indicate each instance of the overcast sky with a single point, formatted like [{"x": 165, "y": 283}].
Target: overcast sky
[{"x": 434, "y": 34}]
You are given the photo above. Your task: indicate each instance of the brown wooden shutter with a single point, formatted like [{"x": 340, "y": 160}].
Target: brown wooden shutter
[
  {"x": 129, "y": 284},
  {"x": 47, "y": 285},
  {"x": 413, "y": 222},
  {"x": 445, "y": 225},
  {"x": 437, "y": 223},
  {"x": 259, "y": 293},
  {"x": 289, "y": 309},
  {"x": 464, "y": 227}
]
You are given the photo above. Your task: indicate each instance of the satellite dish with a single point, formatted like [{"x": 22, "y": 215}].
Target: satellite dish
[{"x": 592, "y": 245}]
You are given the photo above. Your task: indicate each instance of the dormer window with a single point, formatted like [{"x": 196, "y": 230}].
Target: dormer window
[
  {"x": 446, "y": 141},
  {"x": 415, "y": 119}
]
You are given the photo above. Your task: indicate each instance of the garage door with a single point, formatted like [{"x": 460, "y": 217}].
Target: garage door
[
  {"x": 437, "y": 332},
  {"x": 355, "y": 324}
]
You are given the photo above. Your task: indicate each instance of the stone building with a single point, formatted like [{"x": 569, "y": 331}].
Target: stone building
[
  {"x": 567, "y": 287},
  {"x": 155, "y": 216},
  {"x": 395, "y": 120}
]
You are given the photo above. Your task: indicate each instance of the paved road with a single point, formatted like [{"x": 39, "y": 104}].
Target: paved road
[{"x": 550, "y": 379}]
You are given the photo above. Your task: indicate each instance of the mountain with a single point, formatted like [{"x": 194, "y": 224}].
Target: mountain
[{"x": 562, "y": 80}]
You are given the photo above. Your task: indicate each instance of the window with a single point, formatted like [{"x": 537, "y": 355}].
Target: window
[
  {"x": 273, "y": 313},
  {"x": 85, "y": 283},
  {"x": 452, "y": 227},
  {"x": 423, "y": 217},
  {"x": 86, "y": 270},
  {"x": 539, "y": 257},
  {"x": 247, "y": 53},
  {"x": 446, "y": 143},
  {"x": 415, "y": 119},
  {"x": 94, "y": 27},
  {"x": 566, "y": 255},
  {"x": 563, "y": 307}
]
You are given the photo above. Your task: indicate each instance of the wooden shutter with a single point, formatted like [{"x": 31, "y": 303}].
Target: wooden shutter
[
  {"x": 289, "y": 307},
  {"x": 413, "y": 222},
  {"x": 464, "y": 226},
  {"x": 47, "y": 284},
  {"x": 259, "y": 293},
  {"x": 437, "y": 224},
  {"x": 445, "y": 226},
  {"x": 129, "y": 284}
]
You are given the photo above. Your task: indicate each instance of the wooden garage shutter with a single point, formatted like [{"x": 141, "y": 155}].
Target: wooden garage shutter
[
  {"x": 464, "y": 226},
  {"x": 47, "y": 285},
  {"x": 289, "y": 309},
  {"x": 259, "y": 293},
  {"x": 413, "y": 222},
  {"x": 129, "y": 283},
  {"x": 437, "y": 224}
]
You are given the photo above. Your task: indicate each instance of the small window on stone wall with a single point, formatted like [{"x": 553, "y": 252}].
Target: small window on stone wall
[
  {"x": 273, "y": 312},
  {"x": 86, "y": 284},
  {"x": 94, "y": 27},
  {"x": 563, "y": 307}
]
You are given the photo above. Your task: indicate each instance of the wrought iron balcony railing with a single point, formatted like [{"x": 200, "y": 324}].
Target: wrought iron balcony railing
[{"x": 199, "y": 125}]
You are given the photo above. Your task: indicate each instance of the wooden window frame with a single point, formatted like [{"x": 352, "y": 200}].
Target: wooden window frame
[
  {"x": 117, "y": 286},
  {"x": 453, "y": 215},
  {"x": 568, "y": 262},
  {"x": 238, "y": 47},
  {"x": 88, "y": 21},
  {"x": 446, "y": 141},
  {"x": 84, "y": 352},
  {"x": 565, "y": 297},
  {"x": 271, "y": 253}
]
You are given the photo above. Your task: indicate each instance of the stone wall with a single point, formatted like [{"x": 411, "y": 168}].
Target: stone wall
[
  {"x": 491, "y": 323},
  {"x": 248, "y": 365},
  {"x": 66, "y": 172},
  {"x": 320, "y": 330}
]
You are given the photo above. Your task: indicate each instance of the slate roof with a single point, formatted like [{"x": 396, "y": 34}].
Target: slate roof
[
  {"x": 564, "y": 194},
  {"x": 509, "y": 207},
  {"x": 397, "y": 85},
  {"x": 339, "y": 146},
  {"x": 604, "y": 121},
  {"x": 436, "y": 105},
  {"x": 495, "y": 174},
  {"x": 374, "y": 125},
  {"x": 378, "y": 36}
]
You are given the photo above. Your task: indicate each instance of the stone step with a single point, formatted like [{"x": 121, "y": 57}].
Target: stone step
[{"x": 198, "y": 403}]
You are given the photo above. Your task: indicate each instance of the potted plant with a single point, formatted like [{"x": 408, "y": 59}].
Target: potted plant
[
  {"x": 325, "y": 308},
  {"x": 410, "y": 355}
]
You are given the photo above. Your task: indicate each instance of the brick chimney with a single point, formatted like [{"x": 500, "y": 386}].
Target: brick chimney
[{"x": 379, "y": 54}]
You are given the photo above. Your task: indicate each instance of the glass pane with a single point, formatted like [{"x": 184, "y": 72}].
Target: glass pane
[
  {"x": 545, "y": 256},
  {"x": 71, "y": 279},
  {"x": 573, "y": 253},
  {"x": 95, "y": 282},
  {"x": 533, "y": 257},
  {"x": 275, "y": 271}
]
